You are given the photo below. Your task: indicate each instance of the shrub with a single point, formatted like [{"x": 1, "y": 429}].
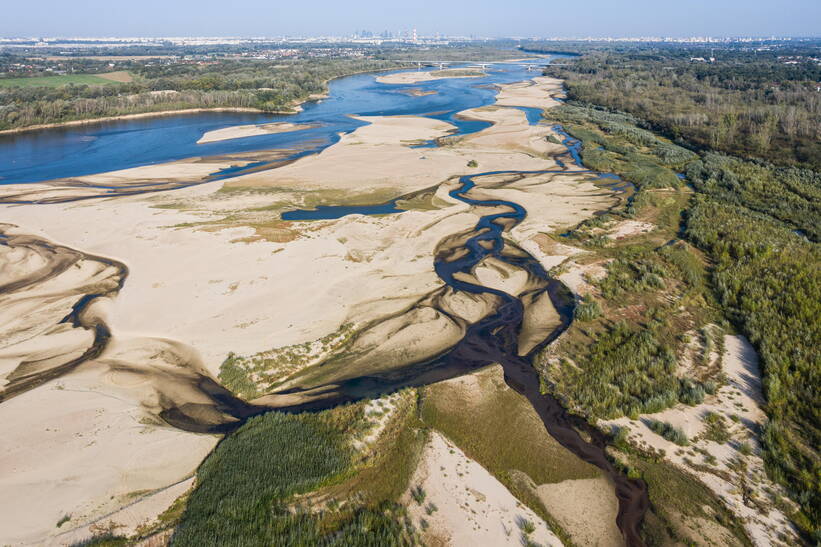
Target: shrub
[
  {"x": 669, "y": 432},
  {"x": 691, "y": 393},
  {"x": 418, "y": 494},
  {"x": 587, "y": 310}
]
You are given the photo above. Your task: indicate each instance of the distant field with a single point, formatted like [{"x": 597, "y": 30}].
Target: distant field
[{"x": 57, "y": 81}]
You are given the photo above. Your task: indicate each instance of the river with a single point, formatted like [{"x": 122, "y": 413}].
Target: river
[
  {"x": 76, "y": 151},
  {"x": 83, "y": 150}
]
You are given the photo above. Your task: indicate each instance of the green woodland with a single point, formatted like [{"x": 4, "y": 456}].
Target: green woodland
[
  {"x": 738, "y": 247},
  {"x": 264, "y": 85},
  {"x": 251, "y": 490},
  {"x": 750, "y": 104}
]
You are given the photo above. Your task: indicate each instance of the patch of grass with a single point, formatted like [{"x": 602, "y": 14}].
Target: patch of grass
[
  {"x": 587, "y": 309},
  {"x": 517, "y": 456},
  {"x": 418, "y": 494},
  {"x": 253, "y": 375},
  {"x": 716, "y": 429},
  {"x": 669, "y": 432},
  {"x": 454, "y": 408},
  {"x": 457, "y": 73},
  {"x": 675, "y": 499},
  {"x": 386, "y": 468},
  {"x": 64, "y": 519},
  {"x": 56, "y": 81}
]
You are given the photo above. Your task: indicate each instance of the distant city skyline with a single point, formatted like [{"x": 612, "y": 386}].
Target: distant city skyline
[{"x": 524, "y": 18}]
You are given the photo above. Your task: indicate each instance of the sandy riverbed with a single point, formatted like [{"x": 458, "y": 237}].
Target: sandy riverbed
[{"x": 212, "y": 270}]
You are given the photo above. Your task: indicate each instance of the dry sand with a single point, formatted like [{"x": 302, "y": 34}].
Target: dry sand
[
  {"x": 472, "y": 507},
  {"x": 586, "y": 508},
  {"x": 740, "y": 397},
  {"x": 241, "y": 131},
  {"x": 428, "y": 75},
  {"x": 83, "y": 446},
  {"x": 532, "y": 93},
  {"x": 203, "y": 283}
]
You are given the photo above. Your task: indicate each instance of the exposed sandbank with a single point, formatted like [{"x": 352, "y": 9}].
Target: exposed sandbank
[
  {"x": 473, "y": 507},
  {"x": 428, "y": 75},
  {"x": 241, "y": 131}
]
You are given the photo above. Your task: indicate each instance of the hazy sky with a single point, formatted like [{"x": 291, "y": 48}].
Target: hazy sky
[{"x": 477, "y": 17}]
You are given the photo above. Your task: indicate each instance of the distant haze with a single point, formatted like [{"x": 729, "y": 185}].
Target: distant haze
[{"x": 490, "y": 18}]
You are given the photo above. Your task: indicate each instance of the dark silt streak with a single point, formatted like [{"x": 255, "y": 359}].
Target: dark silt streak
[
  {"x": 494, "y": 340},
  {"x": 58, "y": 260}
]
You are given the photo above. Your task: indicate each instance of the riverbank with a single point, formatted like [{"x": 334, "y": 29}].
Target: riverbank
[
  {"x": 296, "y": 107},
  {"x": 123, "y": 117}
]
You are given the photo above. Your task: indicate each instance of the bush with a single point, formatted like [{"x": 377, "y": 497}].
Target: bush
[
  {"x": 587, "y": 310},
  {"x": 418, "y": 494},
  {"x": 669, "y": 432}
]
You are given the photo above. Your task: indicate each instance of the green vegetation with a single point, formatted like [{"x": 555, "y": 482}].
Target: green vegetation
[
  {"x": 587, "y": 309},
  {"x": 613, "y": 144},
  {"x": 750, "y": 251},
  {"x": 103, "y": 540},
  {"x": 56, "y": 81},
  {"x": 64, "y": 519},
  {"x": 683, "y": 510},
  {"x": 748, "y": 105},
  {"x": 252, "y": 376},
  {"x": 669, "y": 432},
  {"x": 716, "y": 429},
  {"x": 473, "y": 164},
  {"x": 248, "y": 490},
  {"x": 418, "y": 494},
  {"x": 769, "y": 282},
  {"x": 622, "y": 358},
  {"x": 264, "y": 85},
  {"x": 458, "y": 73},
  {"x": 455, "y": 407}
]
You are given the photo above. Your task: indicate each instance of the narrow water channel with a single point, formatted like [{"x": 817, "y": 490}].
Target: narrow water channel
[{"x": 495, "y": 340}]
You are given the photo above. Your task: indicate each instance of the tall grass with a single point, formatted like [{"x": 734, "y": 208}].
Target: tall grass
[{"x": 245, "y": 489}]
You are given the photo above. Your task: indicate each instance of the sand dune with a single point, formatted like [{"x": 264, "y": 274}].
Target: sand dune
[{"x": 473, "y": 507}]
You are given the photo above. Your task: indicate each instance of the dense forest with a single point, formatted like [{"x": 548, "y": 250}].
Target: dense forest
[
  {"x": 755, "y": 221},
  {"x": 761, "y": 229},
  {"x": 265, "y": 85},
  {"x": 765, "y": 104}
]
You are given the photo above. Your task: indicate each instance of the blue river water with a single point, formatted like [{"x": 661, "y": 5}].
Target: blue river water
[{"x": 83, "y": 150}]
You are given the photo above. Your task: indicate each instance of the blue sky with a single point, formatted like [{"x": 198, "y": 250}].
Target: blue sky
[{"x": 477, "y": 17}]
